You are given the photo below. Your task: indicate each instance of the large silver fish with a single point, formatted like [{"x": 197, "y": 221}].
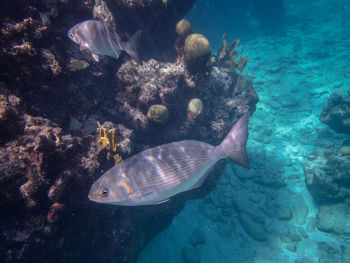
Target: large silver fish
[
  {"x": 101, "y": 40},
  {"x": 154, "y": 175}
]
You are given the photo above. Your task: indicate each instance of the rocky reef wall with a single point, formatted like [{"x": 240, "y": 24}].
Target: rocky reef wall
[{"x": 51, "y": 97}]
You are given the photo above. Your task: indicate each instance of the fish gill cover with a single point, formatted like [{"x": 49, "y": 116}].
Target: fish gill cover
[{"x": 52, "y": 95}]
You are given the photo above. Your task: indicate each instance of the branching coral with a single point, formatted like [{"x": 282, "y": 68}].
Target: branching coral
[
  {"x": 227, "y": 57},
  {"x": 108, "y": 138}
]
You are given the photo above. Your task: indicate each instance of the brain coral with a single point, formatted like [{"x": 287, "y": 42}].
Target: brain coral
[{"x": 197, "y": 52}]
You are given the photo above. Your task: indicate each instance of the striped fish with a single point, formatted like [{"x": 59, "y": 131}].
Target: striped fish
[
  {"x": 154, "y": 175},
  {"x": 101, "y": 40}
]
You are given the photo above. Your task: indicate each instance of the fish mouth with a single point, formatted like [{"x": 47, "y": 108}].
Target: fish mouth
[{"x": 92, "y": 197}]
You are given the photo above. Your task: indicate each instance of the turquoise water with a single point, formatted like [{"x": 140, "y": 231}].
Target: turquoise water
[{"x": 300, "y": 56}]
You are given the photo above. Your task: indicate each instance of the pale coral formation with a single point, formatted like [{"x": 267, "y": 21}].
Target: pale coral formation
[
  {"x": 195, "y": 106},
  {"x": 77, "y": 64},
  {"x": 196, "y": 52},
  {"x": 158, "y": 113},
  {"x": 183, "y": 28}
]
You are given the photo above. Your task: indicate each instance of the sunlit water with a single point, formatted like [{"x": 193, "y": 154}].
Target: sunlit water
[{"x": 297, "y": 65}]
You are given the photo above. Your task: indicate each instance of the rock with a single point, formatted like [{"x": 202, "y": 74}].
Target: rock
[
  {"x": 292, "y": 234},
  {"x": 209, "y": 211},
  {"x": 311, "y": 225},
  {"x": 329, "y": 248},
  {"x": 286, "y": 100},
  {"x": 290, "y": 246},
  {"x": 197, "y": 52},
  {"x": 301, "y": 211},
  {"x": 10, "y": 115},
  {"x": 326, "y": 176},
  {"x": 254, "y": 230},
  {"x": 304, "y": 260},
  {"x": 158, "y": 113},
  {"x": 334, "y": 219},
  {"x": 190, "y": 255},
  {"x": 271, "y": 180},
  {"x": 337, "y": 114},
  {"x": 338, "y": 84},
  {"x": 318, "y": 91},
  {"x": 227, "y": 211},
  {"x": 284, "y": 213},
  {"x": 346, "y": 254},
  {"x": 303, "y": 232},
  {"x": 198, "y": 238},
  {"x": 330, "y": 252},
  {"x": 225, "y": 229},
  {"x": 345, "y": 150}
]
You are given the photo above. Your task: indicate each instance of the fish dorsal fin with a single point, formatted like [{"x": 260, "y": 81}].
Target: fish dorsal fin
[
  {"x": 96, "y": 57},
  {"x": 161, "y": 202}
]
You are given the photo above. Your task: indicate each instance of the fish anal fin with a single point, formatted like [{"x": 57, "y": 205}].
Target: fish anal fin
[
  {"x": 161, "y": 202},
  {"x": 96, "y": 57}
]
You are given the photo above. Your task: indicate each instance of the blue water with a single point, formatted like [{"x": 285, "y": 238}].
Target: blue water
[{"x": 297, "y": 50}]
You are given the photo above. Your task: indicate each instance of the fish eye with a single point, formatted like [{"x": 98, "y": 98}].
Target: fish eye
[
  {"x": 70, "y": 34},
  {"x": 104, "y": 192}
]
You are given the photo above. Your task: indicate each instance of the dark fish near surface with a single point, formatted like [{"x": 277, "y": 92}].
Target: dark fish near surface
[
  {"x": 101, "y": 40},
  {"x": 156, "y": 174}
]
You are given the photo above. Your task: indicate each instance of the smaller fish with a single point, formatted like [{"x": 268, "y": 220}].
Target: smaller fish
[{"x": 101, "y": 40}]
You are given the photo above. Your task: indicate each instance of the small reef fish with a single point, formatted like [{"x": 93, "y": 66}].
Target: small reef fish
[
  {"x": 101, "y": 40},
  {"x": 154, "y": 175}
]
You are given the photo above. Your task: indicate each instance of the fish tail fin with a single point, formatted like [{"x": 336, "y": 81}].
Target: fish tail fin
[
  {"x": 234, "y": 144},
  {"x": 131, "y": 46}
]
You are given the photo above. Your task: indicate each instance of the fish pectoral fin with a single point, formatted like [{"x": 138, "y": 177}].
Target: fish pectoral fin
[
  {"x": 96, "y": 57},
  {"x": 83, "y": 46},
  {"x": 161, "y": 202}
]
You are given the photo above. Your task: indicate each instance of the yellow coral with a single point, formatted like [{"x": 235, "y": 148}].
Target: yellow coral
[
  {"x": 108, "y": 138},
  {"x": 103, "y": 142},
  {"x": 117, "y": 158}
]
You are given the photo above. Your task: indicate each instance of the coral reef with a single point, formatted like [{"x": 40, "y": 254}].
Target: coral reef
[
  {"x": 157, "y": 20},
  {"x": 183, "y": 28},
  {"x": 224, "y": 94},
  {"x": 327, "y": 179},
  {"x": 227, "y": 56},
  {"x": 158, "y": 113},
  {"x": 196, "y": 53},
  {"x": 327, "y": 174},
  {"x": 51, "y": 98},
  {"x": 107, "y": 138},
  {"x": 337, "y": 113},
  {"x": 195, "y": 107}
]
